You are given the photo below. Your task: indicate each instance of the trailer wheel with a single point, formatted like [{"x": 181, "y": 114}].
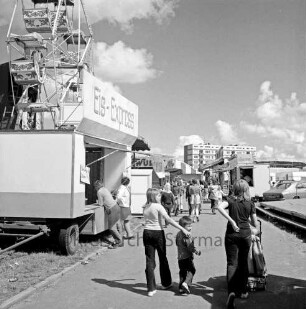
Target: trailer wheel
[{"x": 69, "y": 239}]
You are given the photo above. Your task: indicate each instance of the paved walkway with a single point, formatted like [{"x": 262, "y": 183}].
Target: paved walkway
[{"x": 116, "y": 280}]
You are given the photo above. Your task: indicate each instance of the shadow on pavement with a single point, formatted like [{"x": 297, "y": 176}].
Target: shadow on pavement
[
  {"x": 281, "y": 293},
  {"x": 138, "y": 288}
]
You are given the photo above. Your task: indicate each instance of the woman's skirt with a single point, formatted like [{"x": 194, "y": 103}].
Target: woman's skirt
[
  {"x": 195, "y": 199},
  {"x": 125, "y": 213}
]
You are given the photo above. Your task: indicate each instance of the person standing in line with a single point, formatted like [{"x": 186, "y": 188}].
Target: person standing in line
[
  {"x": 238, "y": 239},
  {"x": 185, "y": 250},
  {"x": 112, "y": 211},
  {"x": 195, "y": 200},
  {"x": 154, "y": 240},
  {"x": 212, "y": 195},
  {"x": 167, "y": 200},
  {"x": 124, "y": 201}
]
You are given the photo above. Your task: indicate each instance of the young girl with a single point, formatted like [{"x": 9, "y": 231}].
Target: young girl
[
  {"x": 123, "y": 200},
  {"x": 196, "y": 196},
  {"x": 154, "y": 239}
]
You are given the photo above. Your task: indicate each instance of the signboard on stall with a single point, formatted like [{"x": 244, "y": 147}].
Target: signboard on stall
[
  {"x": 103, "y": 105},
  {"x": 155, "y": 162},
  {"x": 142, "y": 162}
]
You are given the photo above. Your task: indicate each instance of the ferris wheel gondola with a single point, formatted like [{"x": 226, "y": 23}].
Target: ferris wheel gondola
[{"x": 51, "y": 57}]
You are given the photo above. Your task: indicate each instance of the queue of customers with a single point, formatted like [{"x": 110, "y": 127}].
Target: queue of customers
[
  {"x": 117, "y": 209},
  {"x": 157, "y": 211}
]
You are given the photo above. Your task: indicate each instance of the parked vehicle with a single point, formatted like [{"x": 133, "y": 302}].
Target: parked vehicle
[{"x": 286, "y": 189}]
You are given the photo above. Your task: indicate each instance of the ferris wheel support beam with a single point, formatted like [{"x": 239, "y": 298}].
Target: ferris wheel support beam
[
  {"x": 11, "y": 22},
  {"x": 79, "y": 41},
  {"x": 88, "y": 25},
  {"x": 54, "y": 29},
  {"x": 85, "y": 51}
]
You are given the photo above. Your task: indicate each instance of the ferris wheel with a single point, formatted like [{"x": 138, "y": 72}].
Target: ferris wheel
[{"x": 46, "y": 62}]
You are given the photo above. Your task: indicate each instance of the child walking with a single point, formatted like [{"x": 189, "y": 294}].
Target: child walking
[{"x": 185, "y": 249}]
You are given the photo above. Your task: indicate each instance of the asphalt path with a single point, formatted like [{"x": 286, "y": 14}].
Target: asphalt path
[{"x": 116, "y": 279}]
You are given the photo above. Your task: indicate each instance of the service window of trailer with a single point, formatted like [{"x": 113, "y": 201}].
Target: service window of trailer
[
  {"x": 96, "y": 170},
  {"x": 246, "y": 173}
]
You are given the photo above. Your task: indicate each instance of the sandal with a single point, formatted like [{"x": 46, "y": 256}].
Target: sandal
[{"x": 244, "y": 295}]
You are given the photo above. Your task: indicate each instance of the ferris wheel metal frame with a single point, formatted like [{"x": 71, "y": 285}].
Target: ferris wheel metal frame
[{"x": 56, "y": 48}]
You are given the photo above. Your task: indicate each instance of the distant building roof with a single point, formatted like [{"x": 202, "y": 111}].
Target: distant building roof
[{"x": 278, "y": 163}]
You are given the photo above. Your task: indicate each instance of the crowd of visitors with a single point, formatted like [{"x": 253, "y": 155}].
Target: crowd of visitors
[{"x": 157, "y": 212}]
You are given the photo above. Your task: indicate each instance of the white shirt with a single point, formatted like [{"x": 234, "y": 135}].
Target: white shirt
[
  {"x": 123, "y": 196},
  {"x": 153, "y": 214}
]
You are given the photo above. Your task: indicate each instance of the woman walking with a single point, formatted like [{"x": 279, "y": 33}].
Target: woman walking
[
  {"x": 154, "y": 240},
  {"x": 167, "y": 200},
  {"x": 195, "y": 199},
  {"x": 238, "y": 239},
  {"x": 212, "y": 195}
]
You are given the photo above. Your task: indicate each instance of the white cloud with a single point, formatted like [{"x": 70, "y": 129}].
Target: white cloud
[
  {"x": 266, "y": 153},
  {"x": 228, "y": 134},
  {"x": 156, "y": 150},
  {"x": 121, "y": 64},
  {"x": 286, "y": 135},
  {"x": 186, "y": 140},
  {"x": 126, "y": 11},
  {"x": 281, "y": 122},
  {"x": 118, "y": 12},
  {"x": 270, "y": 153}
]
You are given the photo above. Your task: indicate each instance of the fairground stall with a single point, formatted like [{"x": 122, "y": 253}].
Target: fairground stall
[
  {"x": 61, "y": 129},
  {"x": 242, "y": 166},
  {"x": 148, "y": 170}
]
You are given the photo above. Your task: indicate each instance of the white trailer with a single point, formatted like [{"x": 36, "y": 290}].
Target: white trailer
[{"x": 257, "y": 175}]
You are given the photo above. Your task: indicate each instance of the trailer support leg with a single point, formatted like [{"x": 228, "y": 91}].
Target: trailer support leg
[{"x": 22, "y": 242}]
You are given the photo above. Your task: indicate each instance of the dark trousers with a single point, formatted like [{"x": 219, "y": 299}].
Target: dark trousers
[
  {"x": 187, "y": 271},
  {"x": 189, "y": 205},
  {"x": 237, "y": 247},
  {"x": 213, "y": 205},
  {"x": 168, "y": 209},
  {"x": 156, "y": 241}
]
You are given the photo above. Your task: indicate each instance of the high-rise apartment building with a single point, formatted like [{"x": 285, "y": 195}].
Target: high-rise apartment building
[
  {"x": 227, "y": 151},
  {"x": 196, "y": 154}
]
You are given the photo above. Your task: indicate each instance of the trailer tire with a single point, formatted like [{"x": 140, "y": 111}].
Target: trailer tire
[{"x": 69, "y": 239}]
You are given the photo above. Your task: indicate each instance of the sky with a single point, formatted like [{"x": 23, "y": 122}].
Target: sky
[{"x": 217, "y": 71}]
